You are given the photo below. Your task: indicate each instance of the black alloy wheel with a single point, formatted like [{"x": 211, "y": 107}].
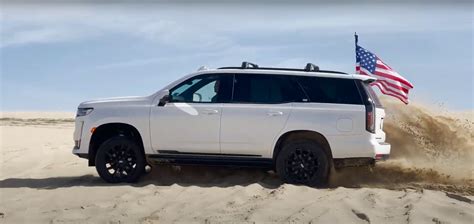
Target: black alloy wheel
[
  {"x": 120, "y": 159},
  {"x": 301, "y": 165},
  {"x": 303, "y": 162}
]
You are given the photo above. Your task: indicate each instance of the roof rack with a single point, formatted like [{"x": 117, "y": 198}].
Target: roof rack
[
  {"x": 311, "y": 68},
  {"x": 248, "y": 65},
  {"x": 308, "y": 68}
]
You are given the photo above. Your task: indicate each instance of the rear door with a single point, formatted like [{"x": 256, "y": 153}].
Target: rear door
[{"x": 258, "y": 112}]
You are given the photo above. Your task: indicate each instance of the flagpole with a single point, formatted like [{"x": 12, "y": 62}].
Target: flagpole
[{"x": 356, "y": 39}]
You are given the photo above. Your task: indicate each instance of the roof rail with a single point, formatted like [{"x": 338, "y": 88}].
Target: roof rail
[{"x": 308, "y": 68}]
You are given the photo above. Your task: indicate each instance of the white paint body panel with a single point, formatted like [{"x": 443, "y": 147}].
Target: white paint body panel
[
  {"x": 134, "y": 111},
  {"x": 251, "y": 129},
  {"x": 186, "y": 127}
]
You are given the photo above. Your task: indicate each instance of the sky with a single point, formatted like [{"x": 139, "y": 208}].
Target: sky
[{"x": 55, "y": 55}]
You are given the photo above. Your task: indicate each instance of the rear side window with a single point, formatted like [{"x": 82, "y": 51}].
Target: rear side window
[
  {"x": 330, "y": 90},
  {"x": 251, "y": 88}
]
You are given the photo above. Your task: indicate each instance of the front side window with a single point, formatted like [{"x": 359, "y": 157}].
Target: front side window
[
  {"x": 211, "y": 88},
  {"x": 259, "y": 88}
]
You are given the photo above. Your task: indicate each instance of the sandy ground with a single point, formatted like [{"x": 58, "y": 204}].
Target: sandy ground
[{"x": 42, "y": 182}]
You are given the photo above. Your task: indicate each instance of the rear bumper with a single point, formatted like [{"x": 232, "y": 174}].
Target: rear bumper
[
  {"x": 381, "y": 157},
  {"x": 368, "y": 155},
  {"x": 382, "y": 151}
]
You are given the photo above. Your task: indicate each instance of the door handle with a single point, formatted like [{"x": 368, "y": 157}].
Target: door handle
[
  {"x": 210, "y": 111},
  {"x": 274, "y": 113}
]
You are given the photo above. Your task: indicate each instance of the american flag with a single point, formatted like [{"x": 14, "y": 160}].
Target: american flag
[{"x": 389, "y": 81}]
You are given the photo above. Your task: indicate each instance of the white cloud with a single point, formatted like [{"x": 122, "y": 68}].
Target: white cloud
[
  {"x": 214, "y": 26},
  {"x": 42, "y": 35},
  {"x": 220, "y": 57}
]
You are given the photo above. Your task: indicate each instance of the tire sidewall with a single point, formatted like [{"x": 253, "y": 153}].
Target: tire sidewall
[
  {"x": 100, "y": 160},
  {"x": 320, "y": 178}
]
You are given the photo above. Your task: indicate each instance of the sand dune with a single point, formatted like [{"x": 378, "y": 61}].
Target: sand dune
[{"x": 428, "y": 180}]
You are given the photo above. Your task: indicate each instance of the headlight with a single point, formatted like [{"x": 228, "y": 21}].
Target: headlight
[{"x": 83, "y": 111}]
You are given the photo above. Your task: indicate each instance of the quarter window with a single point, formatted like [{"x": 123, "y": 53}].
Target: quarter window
[{"x": 330, "y": 90}]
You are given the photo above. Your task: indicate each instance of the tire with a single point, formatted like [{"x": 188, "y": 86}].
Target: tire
[
  {"x": 303, "y": 162},
  {"x": 120, "y": 159}
]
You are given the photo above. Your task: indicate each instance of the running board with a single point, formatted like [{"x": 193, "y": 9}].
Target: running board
[{"x": 210, "y": 160}]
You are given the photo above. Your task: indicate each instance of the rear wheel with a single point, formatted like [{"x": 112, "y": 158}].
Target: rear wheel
[
  {"x": 120, "y": 159},
  {"x": 303, "y": 162}
]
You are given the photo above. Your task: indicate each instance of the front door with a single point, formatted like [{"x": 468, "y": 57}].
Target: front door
[{"x": 190, "y": 122}]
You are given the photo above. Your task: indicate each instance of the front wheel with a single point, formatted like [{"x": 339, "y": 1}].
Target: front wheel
[
  {"x": 120, "y": 159},
  {"x": 303, "y": 162}
]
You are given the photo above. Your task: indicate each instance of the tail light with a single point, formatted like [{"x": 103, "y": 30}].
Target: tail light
[{"x": 370, "y": 117}]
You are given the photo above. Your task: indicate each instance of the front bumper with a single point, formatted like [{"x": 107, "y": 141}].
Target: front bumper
[
  {"x": 82, "y": 155},
  {"x": 81, "y": 138},
  {"x": 76, "y": 152}
]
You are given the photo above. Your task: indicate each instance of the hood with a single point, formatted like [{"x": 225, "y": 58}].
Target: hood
[{"x": 115, "y": 101}]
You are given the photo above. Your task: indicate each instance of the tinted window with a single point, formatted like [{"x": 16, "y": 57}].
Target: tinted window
[
  {"x": 257, "y": 88},
  {"x": 215, "y": 88},
  {"x": 330, "y": 90}
]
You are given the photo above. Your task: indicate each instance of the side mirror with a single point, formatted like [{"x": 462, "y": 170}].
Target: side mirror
[{"x": 165, "y": 99}]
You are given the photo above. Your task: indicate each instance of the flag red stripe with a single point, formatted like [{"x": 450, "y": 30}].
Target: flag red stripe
[
  {"x": 382, "y": 64},
  {"x": 395, "y": 86},
  {"x": 382, "y": 67},
  {"x": 407, "y": 84},
  {"x": 387, "y": 81},
  {"x": 393, "y": 91},
  {"x": 387, "y": 86},
  {"x": 392, "y": 73},
  {"x": 388, "y": 89},
  {"x": 390, "y": 94},
  {"x": 387, "y": 93},
  {"x": 380, "y": 60},
  {"x": 393, "y": 83},
  {"x": 388, "y": 76}
]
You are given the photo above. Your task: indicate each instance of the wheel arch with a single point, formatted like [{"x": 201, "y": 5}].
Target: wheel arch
[
  {"x": 108, "y": 130},
  {"x": 302, "y": 134}
]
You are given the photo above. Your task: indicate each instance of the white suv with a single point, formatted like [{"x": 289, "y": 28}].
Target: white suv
[{"x": 300, "y": 122}]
